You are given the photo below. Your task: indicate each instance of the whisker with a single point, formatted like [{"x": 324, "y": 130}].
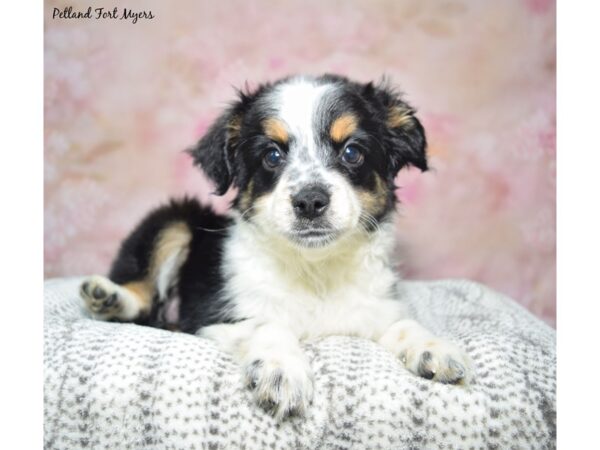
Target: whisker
[
  {"x": 370, "y": 220},
  {"x": 243, "y": 213},
  {"x": 240, "y": 144},
  {"x": 218, "y": 230}
]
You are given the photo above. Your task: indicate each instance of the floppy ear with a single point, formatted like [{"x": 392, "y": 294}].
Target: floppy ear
[
  {"x": 405, "y": 136},
  {"x": 215, "y": 152}
]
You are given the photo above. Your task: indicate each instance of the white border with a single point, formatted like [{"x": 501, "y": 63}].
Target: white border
[
  {"x": 578, "y": 223},
  {"x": 21, "y": 178},
  {"x": 21, "y": 232}
]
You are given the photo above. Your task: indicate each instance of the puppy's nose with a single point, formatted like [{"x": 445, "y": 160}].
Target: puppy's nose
[{"x": 310, "y": 202}]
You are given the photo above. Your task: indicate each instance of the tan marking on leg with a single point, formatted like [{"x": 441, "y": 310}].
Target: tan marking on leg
[
  {"x": 400, "y": 117},
  {"x": 375, "y": 201},
  {"x": 143, "y": 292},
  {"x": 172, "y": 239},
  {"x": 343, "y": 127},
  {"x": 276, "y": 130}
]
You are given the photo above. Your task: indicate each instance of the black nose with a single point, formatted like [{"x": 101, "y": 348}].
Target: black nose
[{"x": 310, "y": 202}]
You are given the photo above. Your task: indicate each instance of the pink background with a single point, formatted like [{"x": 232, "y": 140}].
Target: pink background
[{"x": 122, "y": 100}]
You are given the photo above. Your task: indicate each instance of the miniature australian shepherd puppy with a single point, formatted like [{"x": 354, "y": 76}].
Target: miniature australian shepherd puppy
[{"x": 305, "y": 251}]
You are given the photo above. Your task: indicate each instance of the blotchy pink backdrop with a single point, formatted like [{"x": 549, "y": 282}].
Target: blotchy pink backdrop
[{"x": 122, "y": 100}]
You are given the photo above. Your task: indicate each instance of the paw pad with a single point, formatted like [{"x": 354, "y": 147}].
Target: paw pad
[
  {"x": 100, "y": 296},
  {"x": 425, "y": 370},
  {"x": 438, "y": 361},
  {"x": 281, "y": 389}
]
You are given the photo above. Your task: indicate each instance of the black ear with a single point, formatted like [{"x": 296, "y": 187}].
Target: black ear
[
  {"x": 215, "y": 152},
  {"x": 405, "y": 136}
]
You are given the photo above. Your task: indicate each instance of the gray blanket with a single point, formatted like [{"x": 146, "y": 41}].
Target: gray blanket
[{"x": 123, "y": 386}]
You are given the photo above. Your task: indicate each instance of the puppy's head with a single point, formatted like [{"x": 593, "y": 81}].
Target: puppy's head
[{"x": 314, "y": 158}]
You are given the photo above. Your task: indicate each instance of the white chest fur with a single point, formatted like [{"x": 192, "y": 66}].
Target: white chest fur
[{"x": 346, "y": 289}]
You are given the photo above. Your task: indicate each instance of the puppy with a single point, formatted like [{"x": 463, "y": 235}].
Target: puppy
[{"x": 305, "y": 251}]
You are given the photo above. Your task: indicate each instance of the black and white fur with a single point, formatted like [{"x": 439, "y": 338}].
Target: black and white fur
[{"x": 305, "y": 251}]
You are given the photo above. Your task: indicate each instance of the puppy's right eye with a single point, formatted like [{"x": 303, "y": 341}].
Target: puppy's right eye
[
  {"x": 352, "y": 156},
  {"x": 273, "y": 159}
]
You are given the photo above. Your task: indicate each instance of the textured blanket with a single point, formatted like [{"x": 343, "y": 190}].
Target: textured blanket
[{"x": 123, "y": 386}]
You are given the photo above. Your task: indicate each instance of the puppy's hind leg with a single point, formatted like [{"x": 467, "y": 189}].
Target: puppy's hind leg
[
  {"x": 107, "y": 300},
  {"x": 146, "y": 267}
]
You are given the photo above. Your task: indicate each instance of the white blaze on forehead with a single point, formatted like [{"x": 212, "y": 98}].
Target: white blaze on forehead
[{"x": 296, "y": 103}]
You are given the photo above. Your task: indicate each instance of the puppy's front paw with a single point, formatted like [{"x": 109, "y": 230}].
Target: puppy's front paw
[
  {"x": 426, "y": 355},
  {"x": 283, "y": 386},
  {"x": 101, "y": 297},
  {"x": 436, "y": 359}
]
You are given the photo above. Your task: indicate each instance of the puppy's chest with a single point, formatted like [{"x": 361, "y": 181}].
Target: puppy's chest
[{"x": 313, "y": 301}]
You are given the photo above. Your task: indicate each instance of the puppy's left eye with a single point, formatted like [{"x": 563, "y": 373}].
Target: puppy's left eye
[
  {"x": 273, "y": 158},
  {"x": 352, "y": 156}
]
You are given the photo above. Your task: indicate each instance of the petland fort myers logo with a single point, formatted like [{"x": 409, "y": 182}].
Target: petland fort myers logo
[{"x": 68, "y": 12}]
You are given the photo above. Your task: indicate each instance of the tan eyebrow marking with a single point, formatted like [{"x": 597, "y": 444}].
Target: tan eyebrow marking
[
  {"x": 276, "y": 130},
  {"x": 343, "y": 127},
  {"x": 400, "y": 117}
]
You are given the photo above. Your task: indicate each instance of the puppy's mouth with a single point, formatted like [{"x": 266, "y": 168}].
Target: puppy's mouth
[{"x": 313, "y": 237}]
